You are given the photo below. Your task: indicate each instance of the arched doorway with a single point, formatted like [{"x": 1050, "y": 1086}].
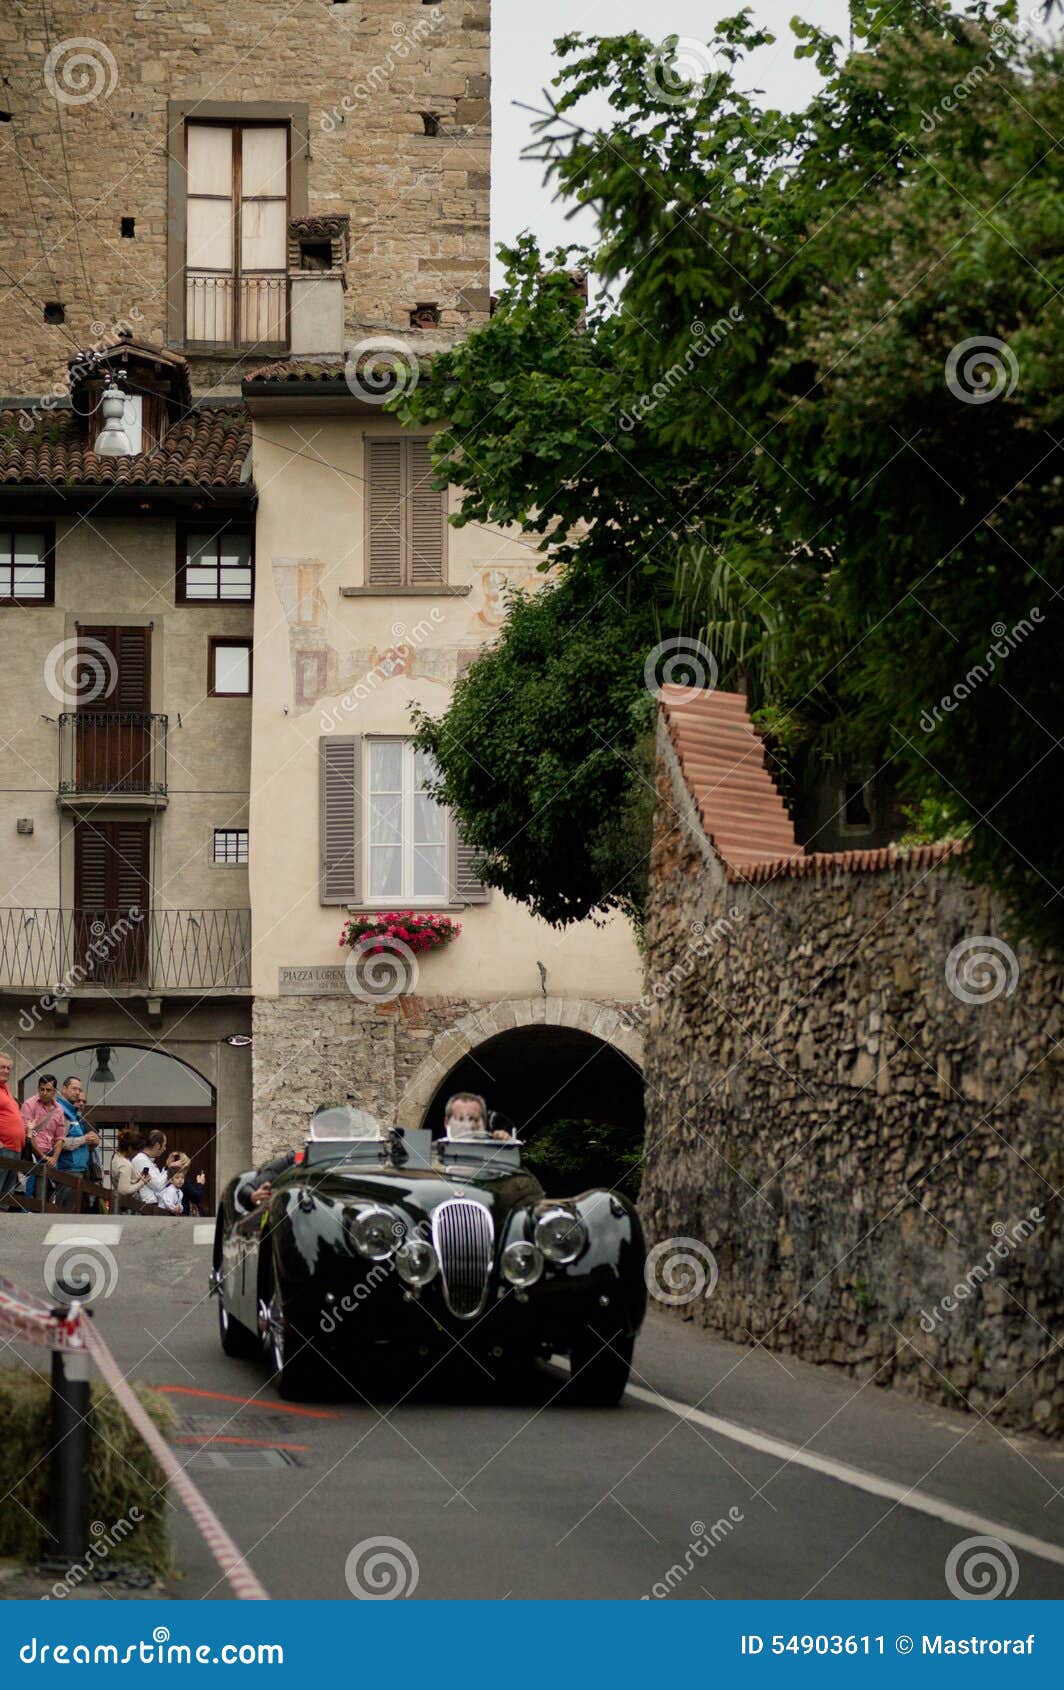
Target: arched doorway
[
  {"x": 577, "y": 1102},
  {"x": 138, "y": 1085}
]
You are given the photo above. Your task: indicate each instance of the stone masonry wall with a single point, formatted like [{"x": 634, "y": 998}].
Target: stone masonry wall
[
  {"x": 873, "y": 1161},
  {"x": 418, "y": 203}
]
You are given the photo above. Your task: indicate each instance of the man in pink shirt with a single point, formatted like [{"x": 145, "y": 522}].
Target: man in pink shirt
[{"x": 44, "y": 1121}]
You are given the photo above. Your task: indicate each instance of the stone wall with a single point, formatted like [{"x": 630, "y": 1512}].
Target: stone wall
[
  {"x": 873, "y": 1161},
  {"x": 390, "y": 1057},
  {"x": 88, "y": 129}
]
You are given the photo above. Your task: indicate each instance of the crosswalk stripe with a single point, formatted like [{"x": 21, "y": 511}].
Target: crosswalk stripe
[{"x": 84, "y": 1231}]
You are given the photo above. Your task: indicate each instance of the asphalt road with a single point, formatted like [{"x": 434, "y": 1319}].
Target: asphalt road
[{"x": 790, "y": 1481}]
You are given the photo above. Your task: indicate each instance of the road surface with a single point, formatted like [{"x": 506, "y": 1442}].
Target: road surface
[{"x": 786, "y": 1481}]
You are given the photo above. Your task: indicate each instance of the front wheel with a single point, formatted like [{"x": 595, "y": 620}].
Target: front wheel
[{"x": 599, "y": 1369}]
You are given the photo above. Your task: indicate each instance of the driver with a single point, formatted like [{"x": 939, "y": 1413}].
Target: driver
[{"x": 466, "y": 1116}]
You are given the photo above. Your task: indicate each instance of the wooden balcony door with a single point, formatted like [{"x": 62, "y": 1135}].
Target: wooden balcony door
[
  {"x": 113, "y": 747},
  {"x": 112, "y": 891}
]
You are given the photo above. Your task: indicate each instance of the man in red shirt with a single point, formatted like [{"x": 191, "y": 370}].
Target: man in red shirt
[{"x": 12, "y": 1130}]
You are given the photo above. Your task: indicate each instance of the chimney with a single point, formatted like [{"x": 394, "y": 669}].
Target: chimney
[
  {"x": 317, "y": 251},
  {"x": 112, "y": 440}
]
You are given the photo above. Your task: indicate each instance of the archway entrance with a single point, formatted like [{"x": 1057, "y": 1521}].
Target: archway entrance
[
  {"x": 577, "y": 1102},
  {"x": 135, "y": 1085}
]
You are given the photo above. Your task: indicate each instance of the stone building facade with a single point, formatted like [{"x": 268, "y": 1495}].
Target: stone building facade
[
  {"x": 384, "y": 107},
  {"x": 854, "y": 1091}
]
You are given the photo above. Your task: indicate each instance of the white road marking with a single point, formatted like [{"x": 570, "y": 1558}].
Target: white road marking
[
  {"x": 84, "y": 1232},
  {"x": 203, "y": 1232},
  {"x": 921, "y": 1501}
]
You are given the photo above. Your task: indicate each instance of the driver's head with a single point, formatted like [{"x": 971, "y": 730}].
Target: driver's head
[{"x": 466, "y": 1112}]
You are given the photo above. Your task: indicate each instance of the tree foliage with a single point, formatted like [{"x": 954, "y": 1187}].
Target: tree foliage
[{"x": 813, "y": 424}]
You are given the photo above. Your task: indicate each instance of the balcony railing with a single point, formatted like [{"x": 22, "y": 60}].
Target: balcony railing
[
  {"x": 60, "y": 952},
  {"x": 261, "y": 305},
  {"x": 120, "y": 753}
]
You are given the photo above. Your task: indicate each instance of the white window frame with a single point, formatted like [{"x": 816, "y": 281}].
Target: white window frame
[
  {"x": 220, "y": 862},
  {"x": 401, "y": 899}
]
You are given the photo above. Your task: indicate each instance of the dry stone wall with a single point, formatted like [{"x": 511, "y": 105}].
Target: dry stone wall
[{"x": 873, "y": 1161}]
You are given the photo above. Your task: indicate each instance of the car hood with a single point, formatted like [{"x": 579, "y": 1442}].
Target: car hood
[{"x": 416, "y": 1191}]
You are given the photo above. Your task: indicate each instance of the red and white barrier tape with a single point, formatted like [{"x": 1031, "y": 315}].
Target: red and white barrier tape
[
  {"x": 241, "y": 1579},
  {"x": 28, "y": 1319}
]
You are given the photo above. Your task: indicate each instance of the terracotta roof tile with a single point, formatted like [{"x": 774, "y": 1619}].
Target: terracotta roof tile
[
  {"x": 207, "y": 448},
  {"x": 298, "y": 369},
  {"x": 744, "y": 817}
]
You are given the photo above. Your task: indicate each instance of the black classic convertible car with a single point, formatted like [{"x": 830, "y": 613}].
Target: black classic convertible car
[{"x": 378, "y": 1241}]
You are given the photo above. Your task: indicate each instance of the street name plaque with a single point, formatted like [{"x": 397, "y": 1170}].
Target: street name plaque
[{"x": 323, "y": 981}]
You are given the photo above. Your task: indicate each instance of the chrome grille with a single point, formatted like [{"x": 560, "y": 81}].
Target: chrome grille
[{"x": 463, "y": 1235}]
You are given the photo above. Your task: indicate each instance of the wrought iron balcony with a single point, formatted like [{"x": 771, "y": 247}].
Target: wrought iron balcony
[
  {"x": 112, "y": 754},
  {"x": 63, "y": 952}
]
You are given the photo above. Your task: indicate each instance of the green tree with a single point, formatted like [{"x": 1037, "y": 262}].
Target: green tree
[{"x": 813, "y": 425}]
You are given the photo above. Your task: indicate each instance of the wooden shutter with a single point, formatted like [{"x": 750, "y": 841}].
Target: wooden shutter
[
  {"x": 468, "y": 886},
  {"x": 111, "y": 865},
  {"x": 384, "y": 507},
  {"x": 426, "y": 507},
  {"x": 340, "y": 830},
  {"x": 406, "y": 515},
  {"x": 130, "y": 649}
]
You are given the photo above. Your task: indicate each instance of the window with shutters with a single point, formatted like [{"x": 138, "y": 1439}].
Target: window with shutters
[
  {"x": 384, "y": 839},
  {"x": 112, "y": 899},
  {"x": 406, "y": 515},
  {"x": 27, "y": 565}
]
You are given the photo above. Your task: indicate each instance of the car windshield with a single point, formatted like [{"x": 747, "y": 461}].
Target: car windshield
[{"x": 344, "y": 1124}]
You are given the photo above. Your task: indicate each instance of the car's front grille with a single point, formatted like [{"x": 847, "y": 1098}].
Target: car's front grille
[{"x": 463, "y": 1234}]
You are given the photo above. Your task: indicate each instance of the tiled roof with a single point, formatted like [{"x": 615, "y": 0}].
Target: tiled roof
[
  {"x": 207, "y": 448},
  {"x": 744, "y": 817},
  {"x": 298, "y": 369}
]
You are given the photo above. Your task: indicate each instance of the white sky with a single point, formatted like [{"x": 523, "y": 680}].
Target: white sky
[{"x": 523, "y": 64}]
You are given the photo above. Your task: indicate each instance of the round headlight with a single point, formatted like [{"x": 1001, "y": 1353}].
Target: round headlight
[
  {"x": 416, "y": 1263},
  {"x": 377, "y": 1233},
  {"x": 560, "y": 1234},
  {"x": 522, "y": 1264}
]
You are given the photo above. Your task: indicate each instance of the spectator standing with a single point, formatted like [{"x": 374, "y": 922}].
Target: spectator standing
[
  {"x": 12, "y": 1130},
  {"x": 146, "y": 1162},
  {"x": 126, "y": 1180},
  {"x": 78, "y": 1141},
  {"x": 44, "y": 1123}
]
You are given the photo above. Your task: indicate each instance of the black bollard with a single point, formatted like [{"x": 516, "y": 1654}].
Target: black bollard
[{"x": 70, "y": 1456}]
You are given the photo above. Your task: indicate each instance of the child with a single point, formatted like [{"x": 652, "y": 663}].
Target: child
[{"x": 170, "y": 1198}]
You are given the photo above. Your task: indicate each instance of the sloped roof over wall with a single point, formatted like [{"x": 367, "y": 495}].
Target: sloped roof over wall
[{"x": 739, "y": 805}]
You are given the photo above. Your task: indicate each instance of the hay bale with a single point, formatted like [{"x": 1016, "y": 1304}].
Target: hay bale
[{"x": 123, "y": 1474}]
